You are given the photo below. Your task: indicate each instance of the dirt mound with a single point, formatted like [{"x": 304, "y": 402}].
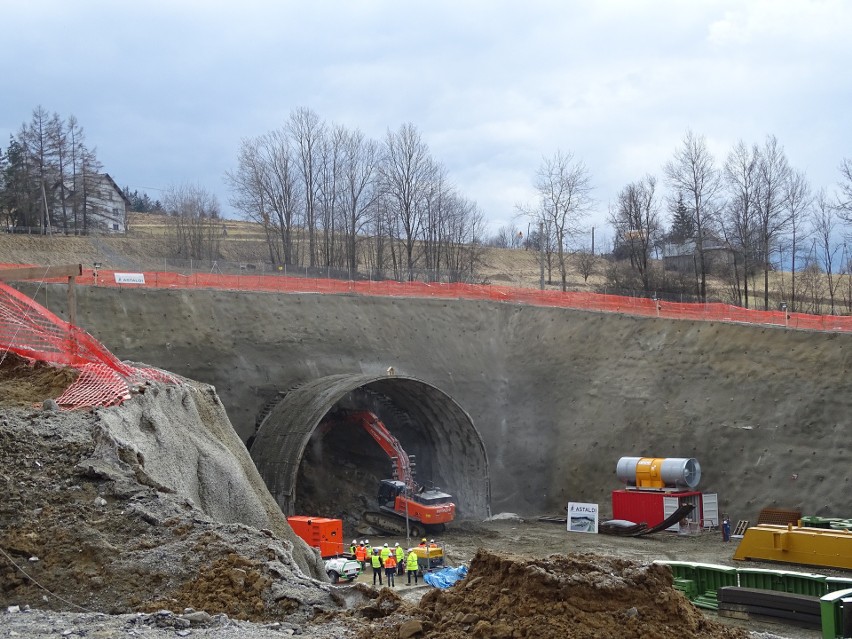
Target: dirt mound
[
  {"x": 576, "y": 596},
  {"x": 24, "y": 383},
  {"x": 144, "y": 507}
]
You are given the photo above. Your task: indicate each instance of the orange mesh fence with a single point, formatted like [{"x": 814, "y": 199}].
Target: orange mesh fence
[
  {"x": 715, "y": 311},
  {"x": 31, "y": 331}
]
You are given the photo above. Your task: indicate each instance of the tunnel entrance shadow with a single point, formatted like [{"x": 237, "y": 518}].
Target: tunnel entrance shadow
[{"x": 430, "y": 422}]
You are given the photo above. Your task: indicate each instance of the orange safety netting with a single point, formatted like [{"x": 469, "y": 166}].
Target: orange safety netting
[
  {"x": 714, "y": 311},
  {"x": 31, "y": 331}
]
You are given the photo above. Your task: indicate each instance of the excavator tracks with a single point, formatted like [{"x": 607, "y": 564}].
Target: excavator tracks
[{"x": 392, "y": 524}]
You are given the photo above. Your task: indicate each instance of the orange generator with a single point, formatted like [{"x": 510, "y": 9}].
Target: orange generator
[{"x": 322, "y": 533}]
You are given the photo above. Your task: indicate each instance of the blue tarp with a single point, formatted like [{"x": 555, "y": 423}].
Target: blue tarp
[{"x": 445, "y": 577}]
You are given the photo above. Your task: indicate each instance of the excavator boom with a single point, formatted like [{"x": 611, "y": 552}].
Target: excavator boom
[{"x": 402, "y": 496}]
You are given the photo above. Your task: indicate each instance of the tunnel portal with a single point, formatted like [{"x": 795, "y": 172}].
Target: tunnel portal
[{"x": 303, "y": 442}]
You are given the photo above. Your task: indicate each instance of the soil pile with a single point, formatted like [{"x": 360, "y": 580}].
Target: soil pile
[
  {"x": 23, "y": 382},
  {"x": 577, "y": 596},
  {"x": 151, "y": 505}
]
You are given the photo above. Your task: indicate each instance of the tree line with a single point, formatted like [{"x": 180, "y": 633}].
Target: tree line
[
  {"x": 739, "y": 219},
  {"x": 328, "y": 196},
  {"x": 48, "y": 175}
]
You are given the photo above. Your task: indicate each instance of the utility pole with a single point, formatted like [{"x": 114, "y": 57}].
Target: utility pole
[{"x": 593, "y": 241}]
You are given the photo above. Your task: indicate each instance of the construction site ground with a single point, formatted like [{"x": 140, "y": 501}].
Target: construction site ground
[
  {"x": 91, "y": 523},
  {"x": 534, "y": 538}
]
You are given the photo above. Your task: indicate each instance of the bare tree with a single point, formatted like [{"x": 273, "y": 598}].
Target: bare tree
[
  {"x": 637, "y": 225},
  {"x": 76, "y": 147},
  {"x": 585, "y": 260},
  {"x": 88, "y": 182},
  {"x": 797, "y": 200},
  {"x": 844, "y": 199},
  {"x": 693, "y": 173},
  {"x": 194, "y": 218},
  {"x": 772, "y": 215},
  {"x": 35, "y": 139},
  {"x": 330, "y": 194},
  {"x": 564, "y": 189},
  {"x": 462, "y": 235},
  {"x": 739, "y": 221},
  {"x": 360, "y": 166},
  {"x": 501, "y": 238},
  {"x": 825, "y": 221},
  {"x": 407, "y": 172},
  {"x": 264, "y": 188},
  {"x": 307, "y": 131},
  {"x": 812, "y": 286}
]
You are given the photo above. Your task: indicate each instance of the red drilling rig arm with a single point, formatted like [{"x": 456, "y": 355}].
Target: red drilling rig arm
[{"x": 389, "y": 444}]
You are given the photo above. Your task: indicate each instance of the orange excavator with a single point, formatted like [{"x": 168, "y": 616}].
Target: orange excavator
[{"x": 401, "y": 500}]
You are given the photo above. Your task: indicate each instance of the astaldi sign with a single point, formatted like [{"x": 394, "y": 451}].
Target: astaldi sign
[
  {"x": 582, "y": 517},
  {"x": 129, "y": 278}
]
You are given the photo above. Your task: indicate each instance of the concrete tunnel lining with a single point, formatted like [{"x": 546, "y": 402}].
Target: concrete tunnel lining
[{"x": 458, "y": 456}]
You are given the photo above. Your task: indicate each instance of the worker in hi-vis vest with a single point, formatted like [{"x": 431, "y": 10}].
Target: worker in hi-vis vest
[
  {"x": 411, "y": 566},
  {"x": 384, "y": 553},
  {"x": 400, "y": 559},
  {"x": 361, "y": 555},
  {"x": 390, "y": 569},
  {"x": 376, "y": 562}
]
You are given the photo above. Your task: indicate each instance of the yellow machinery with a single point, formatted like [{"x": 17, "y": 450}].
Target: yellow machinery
[
  {"x": 797, "y": 545},
  {"x": 659, "y": 472},
  {"x": 429, "y": 557}
]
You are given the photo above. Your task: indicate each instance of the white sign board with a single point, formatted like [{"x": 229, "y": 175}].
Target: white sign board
[
  {"x": 582, "y": 517},
  {"x": 129, "y": 278}
]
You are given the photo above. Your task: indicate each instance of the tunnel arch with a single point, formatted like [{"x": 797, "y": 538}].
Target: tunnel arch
[{"x": 457, "y": 450}]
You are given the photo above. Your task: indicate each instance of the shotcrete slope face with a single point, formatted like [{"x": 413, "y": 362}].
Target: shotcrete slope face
[
  {"x": 558, "y": 396},
  {"x": 449, "y": 450}
]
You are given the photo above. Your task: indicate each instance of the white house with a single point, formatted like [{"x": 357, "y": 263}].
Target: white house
[{"x": 106, "y": 206}]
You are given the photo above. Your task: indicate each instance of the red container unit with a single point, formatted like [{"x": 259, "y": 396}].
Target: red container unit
[
  {"x": 652, "y": 507},
  {"x": 322, "y": 533}
]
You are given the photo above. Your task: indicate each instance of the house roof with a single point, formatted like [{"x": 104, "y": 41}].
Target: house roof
[{"x": 117, "y": 188}]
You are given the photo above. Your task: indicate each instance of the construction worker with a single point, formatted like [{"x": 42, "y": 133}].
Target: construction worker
[
  {"x": 423, "y": 542},
  {"x": 361, "y": 555},
  {"x": 385, "y": 553},
  {"x": 376, "y": 562},
  {"x": 411, "y": 566},
  {"x": 390, "y": 568},
  {"x": 352, "y": 547},
  {"x": 369, "y": 548},
  {"x": 400, "y": 559}
]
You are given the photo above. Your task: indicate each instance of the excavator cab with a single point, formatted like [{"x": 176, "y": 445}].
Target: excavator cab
[{"x": 389, "y": 490}]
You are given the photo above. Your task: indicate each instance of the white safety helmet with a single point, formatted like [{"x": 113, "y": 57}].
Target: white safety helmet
[
  {"x": 386, "y": 545},
  {"x": 354, "y": 542},
  {"x": 396, "y": 544},
  {"x": 366, "y": 541},
  {"x": 431, "y": 541}
]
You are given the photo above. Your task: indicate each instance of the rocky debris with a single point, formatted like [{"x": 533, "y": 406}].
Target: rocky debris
[
  {"x": 163, "y": 624},
  {"x": 573, "y": 596},
  {"x": 146, "y": 507}
]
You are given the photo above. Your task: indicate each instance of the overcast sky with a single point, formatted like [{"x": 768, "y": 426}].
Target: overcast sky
[{"x": 166, "y": 90}]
